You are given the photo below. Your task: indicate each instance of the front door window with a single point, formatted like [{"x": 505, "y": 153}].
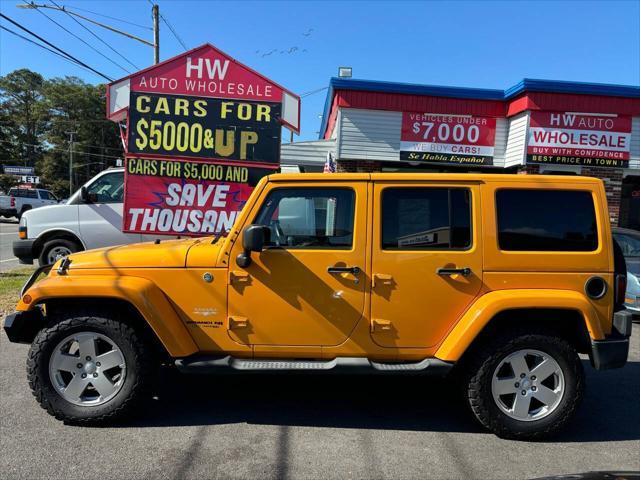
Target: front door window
[
  {"x": 309, "y": 218},
  {"x": 108, "y": 188}
]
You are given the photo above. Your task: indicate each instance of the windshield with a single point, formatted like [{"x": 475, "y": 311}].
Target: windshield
[{"x": 630, "y": 244}]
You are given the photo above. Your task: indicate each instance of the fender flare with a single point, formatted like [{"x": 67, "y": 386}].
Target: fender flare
[
  {"x": 56, "y": 231},
  {"x": 489, "y": 305},
  {"x": 141, "y": 293}
]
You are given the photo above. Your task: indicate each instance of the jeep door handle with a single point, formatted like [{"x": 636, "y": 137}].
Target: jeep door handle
[
  {"x": 351, "y": 270},
  {"x": 465, "y": 272}
]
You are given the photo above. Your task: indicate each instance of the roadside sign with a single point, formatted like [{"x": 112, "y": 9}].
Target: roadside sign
[
  {"x": 17, "y": 170},
  {"x": 178, "y": 125},
  {"x": 448, "y": 139},
  {"x": 201, "y": 130},
  {"x": 566, "y": 138},
  {"x": 183, "y": 197},
  {"x": 32, "y": 179},
  {"x": 204, "y": 71}
]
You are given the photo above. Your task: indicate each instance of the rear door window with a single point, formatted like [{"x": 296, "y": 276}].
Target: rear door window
[
  {"x": 23, "y": 193},
  {"x": 546, "y": 220},
  {"x": 426, "y": 218}
]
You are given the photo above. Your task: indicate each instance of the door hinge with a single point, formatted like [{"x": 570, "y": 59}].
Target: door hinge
[
  {"x": 381, "y": 278},
  {"x": 238, "y": 276},
  {"x": 238, "y": 322},
  {"x": 379, "y": 325}
]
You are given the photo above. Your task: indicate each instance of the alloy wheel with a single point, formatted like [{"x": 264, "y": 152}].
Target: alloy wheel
[
  {"x": 87, "y": 369},
  {"x": 528, "y": 385}
]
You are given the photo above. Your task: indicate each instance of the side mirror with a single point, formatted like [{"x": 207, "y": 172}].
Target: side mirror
[
  {"x": 84, "y": 195},
  {"x": 253, "y": 239}
]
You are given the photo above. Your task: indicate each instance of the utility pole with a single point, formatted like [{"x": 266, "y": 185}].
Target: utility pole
[
  {"x": 71, "y": 134},
  {"x": 155, "y": 13}
]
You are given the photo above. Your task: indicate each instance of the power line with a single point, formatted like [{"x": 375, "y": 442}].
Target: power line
[
  {"x": 54, "y": 47},
  {"x": 97, "y": 36},
  {"x": 64, "y": 150},
  {"x": 88, "y": 145},
  {"x": 175, "y": 34},
  {"x": 82, "y": 40},
  {"x": 59, "y": 120},
  {"x": 313, "y": 91},
  {"x": 113, "y": 18},
  {"x": 45, "y": 48}
]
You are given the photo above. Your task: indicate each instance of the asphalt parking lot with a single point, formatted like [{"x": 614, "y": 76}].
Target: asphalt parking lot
[
  {"x": 8, "y": 233},
  {"x": 290, "y": 426}
]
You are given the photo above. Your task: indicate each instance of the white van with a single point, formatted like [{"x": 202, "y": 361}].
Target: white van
[{"x": 91, "y": 218}]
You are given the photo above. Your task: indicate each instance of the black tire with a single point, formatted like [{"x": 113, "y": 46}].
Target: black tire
[
  {"x": 477, "y": 374},
  {"x": 64, "y": 243},
  {"x": 137, "y": 353}
]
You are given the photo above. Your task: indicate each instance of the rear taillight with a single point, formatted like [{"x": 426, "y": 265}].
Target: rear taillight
[
  {"x": 13, "y": 201},
  {"x": 620, "y": 289}
]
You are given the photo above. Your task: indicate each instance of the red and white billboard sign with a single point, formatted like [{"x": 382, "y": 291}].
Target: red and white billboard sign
[
  {"x": 436, "y": 138},
  {"x": 579, "y": 139},
  {"x": 180, "y": 197},
  {"x": 204, "y": 72},
  {"x": 202, "y": 129},
  {"x": 208, "y": 73}
]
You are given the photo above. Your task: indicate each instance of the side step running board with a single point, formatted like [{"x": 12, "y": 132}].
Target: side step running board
[{"x": 202, "y": 364}]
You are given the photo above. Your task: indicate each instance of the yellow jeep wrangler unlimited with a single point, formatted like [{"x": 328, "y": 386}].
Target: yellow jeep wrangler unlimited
[{"x": 500, "y": 279}]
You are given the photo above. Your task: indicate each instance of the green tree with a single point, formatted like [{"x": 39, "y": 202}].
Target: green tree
[
  {"x": 24, "y": 116},
  {"x": 36, "y": 116},
  {"x": 75, "y": 106},
  {"x": 7, "y": 182}
]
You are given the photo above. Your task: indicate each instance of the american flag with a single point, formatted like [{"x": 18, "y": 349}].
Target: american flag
[{"x": 329, "y": 164}]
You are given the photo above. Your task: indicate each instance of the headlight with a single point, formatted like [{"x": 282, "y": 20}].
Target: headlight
[{"x": 22, "y": 228}]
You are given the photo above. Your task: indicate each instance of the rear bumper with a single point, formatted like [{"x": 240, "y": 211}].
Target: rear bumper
[
  {"x": 10, "y": 212},
  {"x": 23, "y": 249},
  {"x": 613, "y": 351},
  {"x": 22, "y": 327}
]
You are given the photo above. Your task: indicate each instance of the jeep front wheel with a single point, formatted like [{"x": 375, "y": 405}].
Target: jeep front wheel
[
  {"x": 89, "y": 370},
  {"x": 525, "y": 386}
]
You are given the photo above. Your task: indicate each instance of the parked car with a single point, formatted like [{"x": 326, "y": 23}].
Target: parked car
[
  {"x": 50, "y": 233},
  {"x": 629, "y": 241},
  {"x": 20, "y": 200},
  {"x": 382, "y": 273}
]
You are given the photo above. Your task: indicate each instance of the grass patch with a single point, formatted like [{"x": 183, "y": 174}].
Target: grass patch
[{"x": 10, "y": 285}]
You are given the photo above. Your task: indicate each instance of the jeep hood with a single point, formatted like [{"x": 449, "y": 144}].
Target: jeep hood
[{"x": 165, "y": 254}]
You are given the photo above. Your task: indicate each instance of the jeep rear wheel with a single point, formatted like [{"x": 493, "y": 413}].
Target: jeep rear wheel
[
  {"x": 89, "y": 369},
  {"x": 524, "y": 385}
]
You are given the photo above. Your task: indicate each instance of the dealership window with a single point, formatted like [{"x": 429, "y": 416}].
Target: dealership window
[
  {"x": 630, "y": 202},
  {"x": 309, "y": 217},
  {"x": 426, "y": 218},
  {"x": 546, "y": 220}
]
